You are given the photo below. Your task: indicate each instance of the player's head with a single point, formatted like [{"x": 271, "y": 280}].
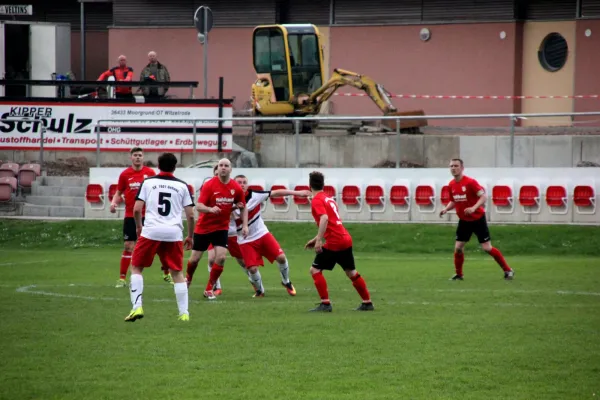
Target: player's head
[
  {"x": 137, "y": 156},
  {"x": 242, "y": 181},
  {"x": 316, "y": 181},
  {"x": 167, "y": 162},
  {"x": 224, "y": 168},
  {"x": 215, "y": 169},
  {"x": 457, "y": 166}
]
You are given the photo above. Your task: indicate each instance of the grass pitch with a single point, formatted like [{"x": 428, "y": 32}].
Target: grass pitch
[{"x": 537, "y": 337}]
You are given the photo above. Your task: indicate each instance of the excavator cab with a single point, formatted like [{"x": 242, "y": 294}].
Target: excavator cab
[{"x": 288, "y": 60}]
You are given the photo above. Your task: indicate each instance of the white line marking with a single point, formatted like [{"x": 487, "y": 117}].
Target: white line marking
[
  {"x": 23, "y": 263},
  {"x": 30, "y": 289}
]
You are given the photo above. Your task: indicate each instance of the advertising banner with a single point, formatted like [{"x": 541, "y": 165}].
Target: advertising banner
[{"x": 152, "y": 126}]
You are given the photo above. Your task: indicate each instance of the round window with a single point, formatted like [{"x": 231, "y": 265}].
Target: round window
[{"x": 553, "y": 52}]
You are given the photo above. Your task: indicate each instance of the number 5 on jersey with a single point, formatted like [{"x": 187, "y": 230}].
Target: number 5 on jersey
[{"x": 164, "y": 202}]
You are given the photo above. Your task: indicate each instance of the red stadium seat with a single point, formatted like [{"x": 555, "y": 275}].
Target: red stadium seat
[
  {"x": 556, "y": 196},
  {"x": 301, "y": 200},
  {"x": 279, "y": 201},
  {"x": 329, "y": 191},
  {"x": 374, "y": 195},
  {"x": 399, "y": 195},
  {"x": 502, "y": 196},
  {"x": 256, "y": 187},
  {"x": 94, "y": 194},
  {"x": 351, "y": 195},
  {"x": 445, "y": 195},
  {"x": 529, "y": 196},
  {"x": 28, "y": 173},
  {"x": 8, "y": 187},
  {"x": 424, "y": 195},
  {"x": 112, "y": 190},
  {"x": 584, "y": 199},
  {"x": 9, "y": 170}
]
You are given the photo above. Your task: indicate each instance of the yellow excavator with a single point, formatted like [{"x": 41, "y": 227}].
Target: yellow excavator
[{"x": 288, "y": 60}]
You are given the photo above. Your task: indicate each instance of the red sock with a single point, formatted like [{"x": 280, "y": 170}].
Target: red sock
[
  {"x": 361, "y": 287},
  {"x": 321, "y": 285},
  {"x": 215, "y": 273},
  {"x": 459, "y": 259},
  {"x": 125, "y": 261},
  {"x": 499, "y": 259},
  {"x": 191, "y": 268}
]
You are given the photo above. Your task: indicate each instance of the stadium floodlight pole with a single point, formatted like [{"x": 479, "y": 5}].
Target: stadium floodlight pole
[
  {"x": 42, "y": 131},
  {"x": 194, "y": 135},
  {"x": 97, "y": 145},
  {"x": 512, "y": 140},
  {"x": 297, "y": 126},
  {"x": 398, "y": 143},
  {"x": 205, "y": 48}
]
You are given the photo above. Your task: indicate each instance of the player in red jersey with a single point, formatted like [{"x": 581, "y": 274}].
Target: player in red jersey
[
  {"x": 337, "y": 248},
  {"x": 216, "y": 201},
  {"x": 128, "y": 186},
  {"x": 260, "y": 242},
  {"x": 468, "y": 197}
]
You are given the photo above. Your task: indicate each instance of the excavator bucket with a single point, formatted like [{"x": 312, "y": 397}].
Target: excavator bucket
[{"x": 405, "y": 124}]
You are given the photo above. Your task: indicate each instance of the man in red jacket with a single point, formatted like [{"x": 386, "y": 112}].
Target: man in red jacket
[{"x": 121, "y": 73}]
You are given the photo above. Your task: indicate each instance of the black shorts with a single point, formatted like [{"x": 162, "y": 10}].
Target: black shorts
[
  {"x": 466, "y": 228},
  {"x": 129, "y": 231},
  {"x": 216, "y": 238},
  {"x": 327, "y": 259}
]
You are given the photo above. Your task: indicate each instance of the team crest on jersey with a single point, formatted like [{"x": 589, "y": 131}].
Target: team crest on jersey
[
  {"x": 145, "y": 176},
  {"x": 232, "y": 192},
  {"x": 464, "y": 189}
]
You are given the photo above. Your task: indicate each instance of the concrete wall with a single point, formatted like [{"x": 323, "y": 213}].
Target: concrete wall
[{"x": 279, "y": 151}]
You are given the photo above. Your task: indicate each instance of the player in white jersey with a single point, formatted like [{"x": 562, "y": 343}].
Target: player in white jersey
[
  {"x": 260, "y": 242},
  {"x": 165, "y": 198}
]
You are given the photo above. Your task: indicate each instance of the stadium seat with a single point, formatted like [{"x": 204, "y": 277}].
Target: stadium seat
[
  {"x": 28, "y": 174},
  {"x": 256, "y": 187},
  {"x": 584, "y": 199},
  {"x": 351, "y": 198},
  {"x": 94, "y": 194},
  {"x": 9, "y": 170},
  {"x": 258, "y": 184},
  {"x": 425, "y": 198},
  {"x": 445, "y": 195},
  {"x": 330, "y": 191},
  {"x": 556, "y": 199},
  {"x": 529, "y": 199},
  {"x": 400, "y": 196},
  {"x": 302, "y": 203},
  {"x": 280, "y": 204},
  {"x": 112, "y": 190},
  {"x": 375, "y": 197},
  {"x": 8, "y": 187},
  {"x": 502, "y": 199}
]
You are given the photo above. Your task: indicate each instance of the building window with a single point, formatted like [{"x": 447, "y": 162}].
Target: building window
[{"x": 553, "y": 52}]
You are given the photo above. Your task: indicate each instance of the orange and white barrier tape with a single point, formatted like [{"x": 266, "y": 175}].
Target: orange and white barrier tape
[{"x": 429, "y": 96}]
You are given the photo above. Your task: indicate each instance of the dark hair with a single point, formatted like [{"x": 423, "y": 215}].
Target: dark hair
[
  {"x": 459, "y": 160},
  {"x": 136, "y": 150},
  {"x": 240, "y": 176},
  {"x": 215, "y": 168},
  {"x": 316, "y": 180},
  {"x": 167, "y": 162}
]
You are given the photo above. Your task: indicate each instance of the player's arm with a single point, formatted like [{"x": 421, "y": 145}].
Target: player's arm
[
  {"x": 205, "y": 194},
  {"x": 286, "y": 192},
  {"x": 189, "y": 216},
  {"x": 117, "y": 198},
  {"x": 137, "y": 214},
  {"x": 480, "y": 192},
  {"x": 449, "y": 206}
]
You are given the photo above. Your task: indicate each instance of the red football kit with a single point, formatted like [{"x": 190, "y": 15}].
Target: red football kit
[
  {"x": 465, "y": 193},
  {"x": 336, "y": 236},
  {"x": 129, "y": 184},
  {"x": 216, "y": 193}
]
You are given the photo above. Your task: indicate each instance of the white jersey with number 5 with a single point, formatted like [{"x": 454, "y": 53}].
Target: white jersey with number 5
[{"x": 165, "y": 197}]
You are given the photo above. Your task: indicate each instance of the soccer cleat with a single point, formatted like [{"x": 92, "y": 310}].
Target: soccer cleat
[
  {"x": 137, "y": 313},
  {"x": 121, "y": 283},
  {"x": 184, "y": 317},
  {"x": 323, "y": 307},
  {"x": 290, "y": 288},
  {"x": 509, "y": 275},
  {"x": 168, "y": 278},
  {"x": 456, "y": 277},
  {"x": 259, "y": 294},
  {"x": 217, "y": 292},
  {"x": 365, "y": 307},
  {"x": 209, "y": 294}
]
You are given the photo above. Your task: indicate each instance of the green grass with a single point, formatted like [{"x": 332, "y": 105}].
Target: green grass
[{"x": 537, "y": 337}]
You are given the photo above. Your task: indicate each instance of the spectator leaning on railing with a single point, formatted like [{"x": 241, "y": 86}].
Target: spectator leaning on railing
[
  {"x": 121, "y": 73},
  {"x": 154, "y": 71}
]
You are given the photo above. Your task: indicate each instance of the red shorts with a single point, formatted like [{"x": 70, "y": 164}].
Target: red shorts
[
  {"x": 254, "y": 251},
  {"x": 232, "y": 246},
  {"x": 170, "y": 253}
]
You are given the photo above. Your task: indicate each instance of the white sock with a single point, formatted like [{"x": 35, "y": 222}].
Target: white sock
[
  {"x": 136, "y": 288},
  {"x": 246, "y": 271},
  {"x": 256, "y": 281},
  {"x": 284, "y": 269},
  {"x": 218, "y": 284},
  {"x": 181, "y": 294}
]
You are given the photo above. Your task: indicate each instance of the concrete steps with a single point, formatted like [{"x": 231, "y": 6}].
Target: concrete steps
[{"x": 56, "y": 196}]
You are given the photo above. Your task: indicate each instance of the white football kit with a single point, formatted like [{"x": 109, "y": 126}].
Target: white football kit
[{"x": 256, "y": 225}]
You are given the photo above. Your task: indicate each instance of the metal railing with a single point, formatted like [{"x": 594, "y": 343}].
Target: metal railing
[{"x": 297, "y": 121}]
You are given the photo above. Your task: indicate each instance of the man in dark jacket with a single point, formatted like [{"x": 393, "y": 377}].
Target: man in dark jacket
[{"x": 154, "y": 72}]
